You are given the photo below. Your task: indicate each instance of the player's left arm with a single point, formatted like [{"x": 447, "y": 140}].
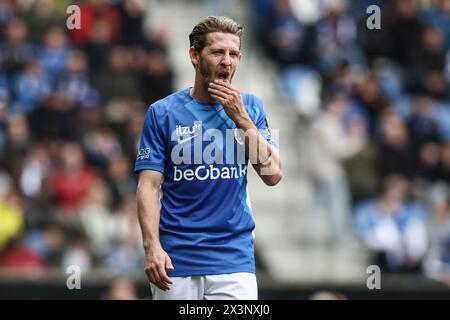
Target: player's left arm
[{"x": 264, "y": 157}]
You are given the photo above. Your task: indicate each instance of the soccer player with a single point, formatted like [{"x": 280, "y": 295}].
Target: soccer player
[{"x": 193, "y": 205}]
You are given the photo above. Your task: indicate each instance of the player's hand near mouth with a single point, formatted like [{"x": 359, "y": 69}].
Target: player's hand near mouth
[
  {"x": 262, "y": 155},
  {"x": 231, "y": 100}
]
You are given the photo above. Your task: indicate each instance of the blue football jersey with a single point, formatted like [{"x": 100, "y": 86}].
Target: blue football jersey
[{"x": 206, "y": 223}]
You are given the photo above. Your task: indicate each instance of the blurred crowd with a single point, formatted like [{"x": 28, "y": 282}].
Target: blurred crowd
[
  {"x": 376, "y": 103},
  {"x": 72, "y": 103}
]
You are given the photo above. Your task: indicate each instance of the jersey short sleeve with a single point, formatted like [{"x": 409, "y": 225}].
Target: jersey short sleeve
[
  {"x": 261, "y": 121},
  {"x": 151, "y": 154}
]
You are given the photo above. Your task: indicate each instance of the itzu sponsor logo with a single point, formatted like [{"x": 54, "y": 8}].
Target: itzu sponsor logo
[
  {"x": 184, "y": 134},
  {"x": 180, "y": 130}
]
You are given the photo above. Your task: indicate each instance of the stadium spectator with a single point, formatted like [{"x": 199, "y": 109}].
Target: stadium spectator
[
  {"x": 77, "y": 252},
  {"x": 31, "y": 87},
  {"x": 404, "y": 29},
  {"x": 331, "y": 142},
  {"x": 290, "y": 41},
  {"x": 394, "y": 227},
  {"x": 96, "y": 220},
  {"x": 362, "y": 173},
  {"x": 132, "y": 14},
  {"x": 54, "y": 53},
  {"x": 102, "y": 145},
  {"x": 444, "y": 164},
  {"x": 71, "y": 181},
  {"x": 16, "y": 50},
  {"x": 336, "y": 34},
  {"x": 99, "y": 47},
  {"x": 48, "y": 243},
  {"x": 124, "y": 85},
  {"x": 73, "y": 83},
  {"x": 41, "y": 17},
  {"x": 440, "y": 18},
  {"x": 369, "y": 100},
  {"x": 11, "y": 214},
  {"x": 428, "y": 62},
  {"x": 157, "y": 79},
  {"x": 92, "y": 11},
  {"x": 125, "y": 257},
  {"x": 19, "y": 258},
  {"x": 395, "y": 148},
  {"x": 7, "y": 13},
  {"x": 121, "y": 184}
]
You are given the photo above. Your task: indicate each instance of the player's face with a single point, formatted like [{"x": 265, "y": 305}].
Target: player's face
[{"x": 220, "y": 57}]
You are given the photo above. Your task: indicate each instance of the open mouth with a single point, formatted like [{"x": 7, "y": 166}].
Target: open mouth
[{"x": 223, "y": 75}]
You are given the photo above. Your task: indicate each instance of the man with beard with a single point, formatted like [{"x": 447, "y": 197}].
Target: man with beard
[{"x": 198, "y": 236}]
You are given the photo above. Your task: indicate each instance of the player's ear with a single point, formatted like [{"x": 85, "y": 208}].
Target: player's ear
[{"x": 194, "y": 55}]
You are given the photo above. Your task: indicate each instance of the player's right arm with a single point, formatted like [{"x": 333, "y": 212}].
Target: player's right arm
[{"x": 156, "y": 259}]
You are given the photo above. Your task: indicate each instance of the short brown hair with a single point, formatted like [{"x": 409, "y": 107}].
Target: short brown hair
[{"x": 197, "y": 38}]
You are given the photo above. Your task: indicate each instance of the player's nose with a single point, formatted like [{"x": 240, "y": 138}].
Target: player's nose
[{"x": 226, "y": 59}]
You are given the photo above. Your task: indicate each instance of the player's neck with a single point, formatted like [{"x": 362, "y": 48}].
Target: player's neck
[{"x": 200, "y": 92}]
